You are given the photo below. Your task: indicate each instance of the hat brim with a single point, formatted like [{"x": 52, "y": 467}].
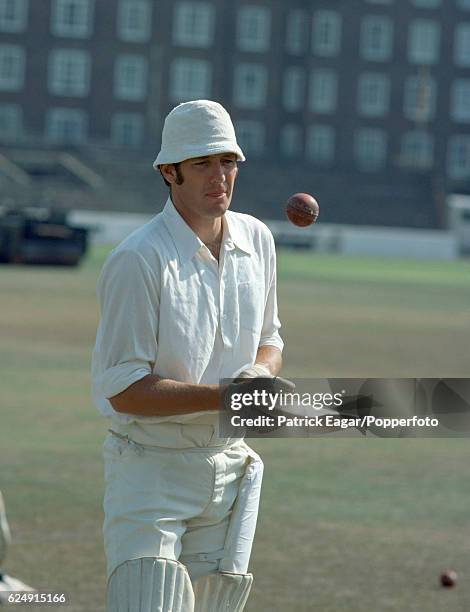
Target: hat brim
[{"x": 191, "y": 152}]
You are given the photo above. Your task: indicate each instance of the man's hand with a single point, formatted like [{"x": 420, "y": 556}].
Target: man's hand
[
  {"x": 256, "y": 396},
  {"x": 254, "y": 372},
  {"x": 261, "y": 392}
]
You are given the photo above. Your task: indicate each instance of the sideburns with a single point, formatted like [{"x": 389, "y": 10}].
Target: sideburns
[{"x": 179, "y": 174}]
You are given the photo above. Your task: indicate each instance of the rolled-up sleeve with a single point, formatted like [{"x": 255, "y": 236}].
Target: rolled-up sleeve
[
  {"x": 270, "y": 331},
  {"x": 126, "y": 347}
]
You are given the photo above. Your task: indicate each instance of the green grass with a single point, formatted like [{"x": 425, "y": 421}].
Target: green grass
[{"x": 353, "y": 524}]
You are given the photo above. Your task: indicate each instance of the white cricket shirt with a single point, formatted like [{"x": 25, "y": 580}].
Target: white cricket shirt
[{"x": 169, "y": 308}]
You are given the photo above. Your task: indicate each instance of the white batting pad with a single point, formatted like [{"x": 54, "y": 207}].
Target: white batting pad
[
  {"x": 4, "y": 531},
  {"x": 150, "y": 584},
  {"x": 222, "y": 592}
]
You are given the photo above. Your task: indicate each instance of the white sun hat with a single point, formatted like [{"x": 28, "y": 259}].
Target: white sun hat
[{"x": 196, "y": 129}]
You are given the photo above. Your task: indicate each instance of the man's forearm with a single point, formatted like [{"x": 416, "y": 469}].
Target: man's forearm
[
  {"x": 269, "y": 357},
  {"x": 155, "y": 396}
]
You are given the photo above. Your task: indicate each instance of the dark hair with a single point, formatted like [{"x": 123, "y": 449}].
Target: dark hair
[{"x": 179, "y": 175}]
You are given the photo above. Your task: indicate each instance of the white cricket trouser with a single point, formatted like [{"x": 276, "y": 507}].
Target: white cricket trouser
[{"x": 170, "y": 493}]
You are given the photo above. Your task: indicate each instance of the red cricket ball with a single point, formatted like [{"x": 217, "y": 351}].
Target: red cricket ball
[
  {"x": 302, "y": 209},
  {"x": 449, "y": 578}
]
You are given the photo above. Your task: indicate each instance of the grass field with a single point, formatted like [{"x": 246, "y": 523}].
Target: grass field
[{"x": 347, "y": 525}]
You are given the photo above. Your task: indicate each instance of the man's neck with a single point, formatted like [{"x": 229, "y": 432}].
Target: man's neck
[{"x": 210, "y": 231}]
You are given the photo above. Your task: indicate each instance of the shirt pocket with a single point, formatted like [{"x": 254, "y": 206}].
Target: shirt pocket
[{"x": 251, "y": 305}]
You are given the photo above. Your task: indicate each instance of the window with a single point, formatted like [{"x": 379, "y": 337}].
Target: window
[
  {"x": 72, "y": 18},
  {"x": 462, "y": 45},
  {"x": 193, "y": 25},
  {"x": 130, "y": 77},
  {"x": 373, "y": 95},
  {"x": 10, "y": 122},
  {"x": 423, "y": 41},
  {"x": 134, "y": 20},
  {"x": 370, "y": 148},
  {"x": 253, "y": 28},
  {"x": 66, "y": 125},
  {"x": 320, "y": 146},
  {"x": 427, "y": 3},
  {"x": 127, "y": 129},
  {"x": 326, "y": 33},
  {"x": 420, "y": 98},
  {"x": 417, "y": 150},
  {"x": 12, "y": 63},
  {"x": 69, "y": 72},
  {"x": 291, "y": 141},
  {"x": 250, "y": 136},
  {"x": 190, "y": 80},
  {"x": 296, "y": 32},
  {"x": 293, "y": 90},
  {"x": 376, "y": 38},
  {"x": 250, "y": 86},
  {"x": 458, "y": 157},
  {"x": 323, "y": 90},
  {"x": 460, "y": 100},
  {"x": 13, "y": 15}
]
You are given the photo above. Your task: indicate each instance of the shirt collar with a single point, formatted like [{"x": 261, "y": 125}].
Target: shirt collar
[
  {"x": 236, "y": 233},
  {"x": 188, "y": 243}
]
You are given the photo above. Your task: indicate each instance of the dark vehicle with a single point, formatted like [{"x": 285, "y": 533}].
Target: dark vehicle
[{"x": 40, "y": 236}]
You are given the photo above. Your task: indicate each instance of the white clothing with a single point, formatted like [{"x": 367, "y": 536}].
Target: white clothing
[
  {"x": 195, "y": 129},
  {"x": 169, "y": 309},
  {"x": 176, "y": 503}
]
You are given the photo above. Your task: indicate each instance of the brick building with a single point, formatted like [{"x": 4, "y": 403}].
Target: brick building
[{"x": 367, "y": 100}]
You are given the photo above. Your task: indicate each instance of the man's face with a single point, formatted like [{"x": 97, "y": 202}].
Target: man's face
[{"x": 207, "y": 186}]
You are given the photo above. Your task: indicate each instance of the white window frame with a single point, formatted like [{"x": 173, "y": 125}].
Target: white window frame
[
  {"x": 193, "y": 24},
  {"x": 18, "y": 19},
  {"x": 134, "y": 20},
  {"x": 326, "y": 33},
  {"x": 296, "y": 32},
  {"x": 424, "y": 37},
  {"x": 251, "y": 136},
  {"x": 378, "y": 150},
  {"x": 376, "y": 38},
  {"x": 417, "y": 150},
  {"x": 119, "y": 124},
  {"x": 253, "y": 28},
  {"x": 55, "y": 116},
  {"x": 320, "y": 144},
  {"x": 456, "y": 170},
  {"x": 135, "y": 88},
  {"x": 84, "y": 25},
  {"x": 290, "y": 141},
  {"x": 11, "y": 117},
  {"x": 12, "y": 75},
  {"x": 293, "y": 88},
  {"x": 69, "y": 72},
  {"x": 373, "y": 94},
  {"x": 462, "y": 44},
  {"x": 419, "y": 103},
  {"x": 250, "y": 95},
  {"x": 323, "y": 92},
  {"x": 460, "y": 101},
  {"x": 190, "y": 79}
]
